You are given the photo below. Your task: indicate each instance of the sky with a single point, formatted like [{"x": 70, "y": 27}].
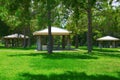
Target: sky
[{"x": 116, "y": 3}]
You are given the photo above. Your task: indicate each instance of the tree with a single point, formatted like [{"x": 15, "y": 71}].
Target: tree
[
  {"x": 50, "y": 45},
  {"x": 107, "y": 19},
  {"x": 50, "y": 6},
  {"x": 89, "y": 33},
  {"x": 4, "y": 28},
  {"x": 19, "y": 13},
  {"x": 75, "y": 8},
  {"x": 87, "y": 6}
]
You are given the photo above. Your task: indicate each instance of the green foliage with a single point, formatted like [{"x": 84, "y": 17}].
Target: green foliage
[
  {"x": 106, "y": 21},
  {"x": 20, "y": 14},
  {"x": 4, "y": 29},
  {"x": 15, "y": 13}
]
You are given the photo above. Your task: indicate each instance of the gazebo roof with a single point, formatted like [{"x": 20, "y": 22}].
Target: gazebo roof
[
  {"x": 15, "y": 36},
  {"x": 107, "y": 38},
  {"x": 54, "y": 31}
]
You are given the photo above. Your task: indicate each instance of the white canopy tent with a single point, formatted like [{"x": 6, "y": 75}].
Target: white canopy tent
[
  {"x": 55, "y": 32},
  {"x": 109, "y": 39}
]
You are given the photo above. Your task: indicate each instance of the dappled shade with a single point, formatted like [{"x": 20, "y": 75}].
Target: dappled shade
[
  {"x": 59, "y": 56},
  {"x": 68, "y": 75}
]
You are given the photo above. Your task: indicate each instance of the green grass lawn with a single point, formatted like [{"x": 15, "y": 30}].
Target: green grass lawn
[{"x": 28, "y": 64}]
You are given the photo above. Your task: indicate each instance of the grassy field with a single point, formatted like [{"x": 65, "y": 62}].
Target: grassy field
[{"x": 28, "y": 64}]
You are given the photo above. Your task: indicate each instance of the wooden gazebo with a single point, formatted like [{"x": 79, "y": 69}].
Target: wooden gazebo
[
  {"x": 55, "y": 32},
  {"x": 111, "y": 41},
  {"x": 15, "y": 40}
]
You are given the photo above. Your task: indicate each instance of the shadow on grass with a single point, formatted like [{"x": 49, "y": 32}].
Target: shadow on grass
[
  {"x": 106, "y": 50},
  {"x": 59, "y": 55},
  {"x": 109, "y": 54},
  {"x": 67, "y": 76},
  {"x": 32, "y": 48},
  {"x": 18, "y": 48},
  {"x": 70, "y": 56},
  {"x": 101, "y": 50}
]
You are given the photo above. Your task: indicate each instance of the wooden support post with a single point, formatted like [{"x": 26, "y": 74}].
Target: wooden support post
[
  {"x": 12, "y": 42},
  {"x": 100, "y": 45},
  {"x": 113, "y": 44},
  {"x": 39, "y": 44},
  {"x": 63, "y": 41}
]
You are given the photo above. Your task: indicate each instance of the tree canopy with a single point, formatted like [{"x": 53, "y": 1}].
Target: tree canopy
[{"x": 88, "y": 18}]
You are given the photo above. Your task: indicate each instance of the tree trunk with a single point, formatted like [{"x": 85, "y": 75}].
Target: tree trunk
[
  {"x": 24, "y": 41},
  {"x": 89, "y": 33},
  {"x": 76, "y": 41},
  {"x": 76, "y": 23},
  {"x": 29, "y": 34},
  {"x": 50, "y": 45}
]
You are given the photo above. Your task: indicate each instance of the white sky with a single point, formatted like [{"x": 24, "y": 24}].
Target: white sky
[{"x": 116, "y": 3}]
